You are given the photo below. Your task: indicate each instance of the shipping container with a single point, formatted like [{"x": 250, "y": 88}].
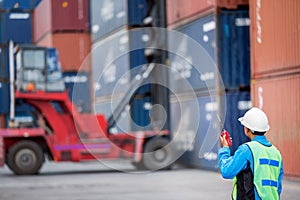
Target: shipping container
[
  {"x": 235, "y": 105},
  {"x": 21, "y": 4},
  {"x": 182, "y": 12},
  {"x": 4, "y": 63},
  {"x": 137, "y": 58},
  {"x": 11, "y": 24},
  {"x": 73, "y": 49},
  {"x": 275, "y": 37},
  {"x": 178, "y": 10},
  {"x": 137, "y": 11},
  {"x": 193, "y": 63},
  {"x": 107, "y": 16},
  {"x": 110, "y": 65},
  {"x": 140, "y": 113},
  {"x": 223, "y": 38},
  {"x": 5, "y": 96},
  {"x": 78, "y": 85},
  {"x": 116, "y": 60},
  {"x": 233, "y": 48},
  {"x": 279, "y": 97},
  {"x": 60, "y": 16},
  {"x": 231, "y": 4},
  {"x": 196, "y": 129},
  {"x": 106, "y": 105}
]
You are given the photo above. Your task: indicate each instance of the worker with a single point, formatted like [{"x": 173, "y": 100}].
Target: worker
[{"x": 256, "y": 166}]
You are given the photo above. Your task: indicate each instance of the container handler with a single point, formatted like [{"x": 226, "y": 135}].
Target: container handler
[{"x": 59, "y": 131}]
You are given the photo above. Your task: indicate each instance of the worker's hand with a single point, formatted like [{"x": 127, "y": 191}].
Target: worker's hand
[{"x": 224, "y": 142}]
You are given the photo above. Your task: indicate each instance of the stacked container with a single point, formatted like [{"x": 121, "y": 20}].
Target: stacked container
[
  {"x": 65, "y": 26},
  {"x": 275, "y": 73},
  {"x": 14, "y": 16},
  {"x": 222, "y": 90},
  {"x": 117, "y": 55}
]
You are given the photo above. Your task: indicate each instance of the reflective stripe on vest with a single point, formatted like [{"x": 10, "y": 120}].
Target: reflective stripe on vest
[{"x": 266, "y": 169}]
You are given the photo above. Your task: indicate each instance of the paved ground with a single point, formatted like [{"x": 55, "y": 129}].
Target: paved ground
[{"x": 95, "y": 181}]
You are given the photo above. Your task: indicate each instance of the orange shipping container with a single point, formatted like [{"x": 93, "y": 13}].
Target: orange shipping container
[
  {"x": 279, "y": 97},
  {"x": 184, "y": 11},
  {"x": 275, "y": 38},
  {"x": 73, "y": 49},
  {"x": 181, "y": 10}
]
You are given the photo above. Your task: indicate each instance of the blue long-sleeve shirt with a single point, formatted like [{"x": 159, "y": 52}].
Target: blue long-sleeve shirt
[{"x": 230, "y": 166}]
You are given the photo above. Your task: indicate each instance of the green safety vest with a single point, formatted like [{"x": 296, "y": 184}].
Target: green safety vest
[{"x": 266, "y": 169}]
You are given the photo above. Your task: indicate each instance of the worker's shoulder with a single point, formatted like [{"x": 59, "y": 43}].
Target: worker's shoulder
[{"x": 243, "y": 148}]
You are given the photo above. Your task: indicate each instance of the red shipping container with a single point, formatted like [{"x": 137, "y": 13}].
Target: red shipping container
[
  {"x": 60, "y": 15},
  {"x": 275, "y": 38},
  {"x": 186, "y": 10},
  {"x": 279, "y": 97},
  {"x": 73, "y": 49}
]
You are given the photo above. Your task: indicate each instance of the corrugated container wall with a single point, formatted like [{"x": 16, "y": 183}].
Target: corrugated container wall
[
  {"x": 60, "y": 15},
  {"x": 73, "y": 49},
  {"x": 110, "y": 65},
  {"x": 195, "y": 134},
  {"x": 231, "y": 32},
  {"x": 279, "y": 97},
  {"x": 275, "y": 37},
  {"x": 12, "y": 23},
  {"x": 140, "y": 112},
  {"x": 108, "y": 16},
  {"x": 233, "y": 48},
  {"x": 21, "y": 4},
  {"x": 178, "y": 10},
  {"x": 113, "y": 57},
  {"x": 203, "y": 32},
  {"x": 182, "y": 12}
]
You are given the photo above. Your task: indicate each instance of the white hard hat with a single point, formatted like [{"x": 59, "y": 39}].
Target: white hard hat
[{"x": 256, "y": 120}]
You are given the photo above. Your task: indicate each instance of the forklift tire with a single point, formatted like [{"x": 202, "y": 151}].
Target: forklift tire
[
  {"x": 25, "y": 158},
  {"x": 158, "y": 154}
]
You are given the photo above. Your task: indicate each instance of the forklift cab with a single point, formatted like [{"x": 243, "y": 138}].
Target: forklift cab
[{"x": 38, "y": 69}]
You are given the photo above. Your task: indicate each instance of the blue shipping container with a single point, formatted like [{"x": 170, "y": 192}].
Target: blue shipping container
[
  {"x": 16, "y": 26},
  {"x": 110, "y": 65},
  {"x": 137, "y": 57},
  {"x": 21, "y": 4},
  {"x": 237, "y": 103},
  {"x": 106, "y": 105},
  {"x": 4, "y": 63},
  {"x": 108, "y": 16},
  {"x": 196, "y": 133},
  {"x": 78, "y": 85},
  {"x": 195, "y": 65},
  {"x": 137, "y": 10},
  {"x": 140, "y": 113},
  {"x": 234, "y": 48},
  {"x": 5, "y": 96}
]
